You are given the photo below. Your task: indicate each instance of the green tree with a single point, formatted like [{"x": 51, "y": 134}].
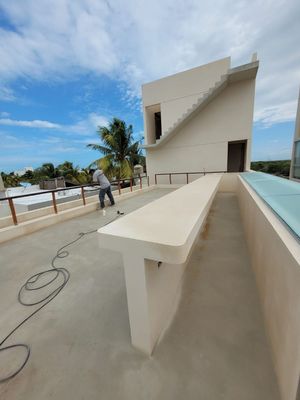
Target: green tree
[
  {"x": 120, "y": 151},
  {"x": 28, "y": 176},
  {"x": 280, "y": 167},
  {"x": 73, "y": 174},
  {"x": 46, "y": 171},
  {"x": 10, "y": 180}
]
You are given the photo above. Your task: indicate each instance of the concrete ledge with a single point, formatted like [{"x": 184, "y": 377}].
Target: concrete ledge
[
  {"x": 155, "y": 242},
  {"x": 165, "y": 229},
  {"x": 168, "y": 185},
  {"x": 39, "y": 219}
]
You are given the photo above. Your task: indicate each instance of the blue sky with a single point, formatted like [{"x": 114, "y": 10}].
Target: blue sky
[{"x": 68, "y": 68}]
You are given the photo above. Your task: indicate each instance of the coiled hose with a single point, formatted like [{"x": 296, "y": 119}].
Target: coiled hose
[{"x": 32, "y": 284}]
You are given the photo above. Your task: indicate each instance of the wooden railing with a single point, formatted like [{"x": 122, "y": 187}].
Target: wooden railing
[
  {"x": 184, "y": 173},
  {"x": 119, "y": 183}
]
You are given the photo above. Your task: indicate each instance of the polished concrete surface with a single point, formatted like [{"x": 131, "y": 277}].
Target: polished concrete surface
[{"x": 215, "y": 348}]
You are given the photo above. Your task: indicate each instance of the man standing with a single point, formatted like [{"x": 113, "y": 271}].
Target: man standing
[{"x": 105, "y": 188}]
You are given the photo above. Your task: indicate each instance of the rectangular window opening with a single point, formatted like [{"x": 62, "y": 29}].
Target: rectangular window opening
[{"x": 157, "y": 117}]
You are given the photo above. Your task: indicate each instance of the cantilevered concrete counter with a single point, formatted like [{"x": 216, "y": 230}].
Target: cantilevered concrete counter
[{"x": 155, "y": 242}]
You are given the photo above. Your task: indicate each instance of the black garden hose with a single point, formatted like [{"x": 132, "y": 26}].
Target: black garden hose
[{"x": 32, "y": 284}]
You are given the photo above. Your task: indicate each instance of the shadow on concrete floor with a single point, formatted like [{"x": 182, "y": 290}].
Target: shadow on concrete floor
[{"x": 214, "y": 349}]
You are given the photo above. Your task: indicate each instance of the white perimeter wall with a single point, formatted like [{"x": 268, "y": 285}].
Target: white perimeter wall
[
  {"x": 202, "y": 142},
  {"x": 2, "y": 188},
  {"x": 296, "y": 138},
  {"x": 275, "y": 257}
]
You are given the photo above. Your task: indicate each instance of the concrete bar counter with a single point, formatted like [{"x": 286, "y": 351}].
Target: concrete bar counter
[{"x": 155, "y": 242}]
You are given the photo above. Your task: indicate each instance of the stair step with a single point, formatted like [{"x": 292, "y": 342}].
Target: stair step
[{"x": 205, "y": 96}]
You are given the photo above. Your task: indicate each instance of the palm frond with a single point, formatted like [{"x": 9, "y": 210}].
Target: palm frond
[
  {"x": 110, "y": 141},
  {"x": 102, "y": 149}
]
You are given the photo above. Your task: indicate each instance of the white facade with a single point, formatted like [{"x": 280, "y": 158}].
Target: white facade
[
  {"x": 295, "y": 161},
  {"x": 201, "y": 111},
  {"x": 2, "y": 188}
]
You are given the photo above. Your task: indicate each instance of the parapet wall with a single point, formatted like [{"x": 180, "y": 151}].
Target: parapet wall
[
  {"x": 275, "y": 258},
  {"x": 32, "y": 221}
]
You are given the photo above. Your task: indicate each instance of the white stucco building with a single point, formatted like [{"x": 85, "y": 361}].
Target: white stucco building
[
  {"x": 2, "y": 188},
  {"x": 295, "y": 161},
  {"x": 201, "y": 119}
]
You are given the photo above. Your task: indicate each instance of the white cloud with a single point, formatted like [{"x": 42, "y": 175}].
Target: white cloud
[
  {"x": 96, "y": 120},
  {"x": 29, "y": 124},
  {"x": 4, "y": 114},
  {"x": 275, "y": 151},
  {"x": 6, "y": 94},
  {"x": 66, "y": 37},
  {"x": 52, "y": 140},
  {"x": 85, "y": 126},
  {"x": 269, "y": 116},
  {"x": 65, "y": 149},
  {"x": 11, "y": 161},
  {"x": 137, "y": 41},
  {"x": 11, "y": 142},
  {"x": 89, "y": 125},
  {"x": 20, "y": 150},
  {"x": 67, "y": 140}
]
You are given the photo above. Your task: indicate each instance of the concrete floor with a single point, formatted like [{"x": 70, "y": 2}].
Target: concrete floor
[{"x": 214, "y": 349}]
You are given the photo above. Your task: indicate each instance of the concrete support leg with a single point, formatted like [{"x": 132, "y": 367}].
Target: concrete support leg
[
  {"x": 152, "y": 291},
  {"x": 137, "y": 298}
]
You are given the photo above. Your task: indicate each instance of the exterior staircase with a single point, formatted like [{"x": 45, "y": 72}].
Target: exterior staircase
[
  {"x": 202, "y": 101},
  {"x": 233, "y": 75}
]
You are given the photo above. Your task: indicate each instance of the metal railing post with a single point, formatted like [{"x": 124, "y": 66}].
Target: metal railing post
[
  {"x": 83, "y": 196},
  {"x": 170, "y": 179},
  {"x": 155, "y": 179},
  {"x": 141, "y": 184},
  {"x": 119, "y": 187},
  {"x": 54, "y": 202},
  {"x": 131, "y": 184},
  {"x": 187, "y": 178},
  {"x": 13, "y": 211}
]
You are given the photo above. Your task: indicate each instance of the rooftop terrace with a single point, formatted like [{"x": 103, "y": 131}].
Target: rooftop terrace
[{"x": 215, "y": 347}]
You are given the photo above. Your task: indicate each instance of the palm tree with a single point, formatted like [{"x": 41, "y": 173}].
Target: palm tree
[
  {"x": 73, "y": 174},
  {"x": 119, "y": 149},
  {"x": 67, "y": 169},
  {"x": 46, "y": 171}
]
